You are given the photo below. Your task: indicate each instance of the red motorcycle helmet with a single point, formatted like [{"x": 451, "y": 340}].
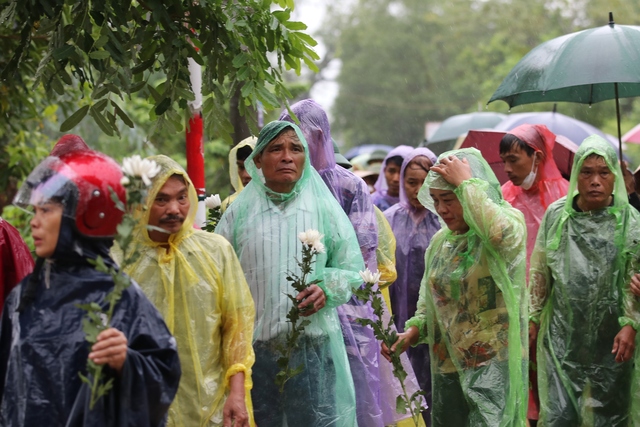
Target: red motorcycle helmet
[{"x": 81, "y": 180}]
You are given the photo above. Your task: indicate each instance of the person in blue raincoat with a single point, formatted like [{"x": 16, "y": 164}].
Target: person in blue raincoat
[{"x": 42, "y": 344}]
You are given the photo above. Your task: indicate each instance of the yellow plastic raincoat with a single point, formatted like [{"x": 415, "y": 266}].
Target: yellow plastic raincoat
[
  {"x": 234, "y": 178},
  {"x": 199, "y": 287}
]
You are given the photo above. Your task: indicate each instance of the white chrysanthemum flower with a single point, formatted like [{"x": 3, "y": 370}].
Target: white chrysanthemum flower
[
  {"x": 213, "y": 201},
  {"x": 104, "y": 319},
  {"x": 369, "y": 277},
  {"x": 313, "y": 239},
  {"x": 139, "y": 167},
  {"x": 124, "y": 181}
]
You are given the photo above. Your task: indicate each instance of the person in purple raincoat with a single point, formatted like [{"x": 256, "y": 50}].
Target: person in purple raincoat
[
  {"x": 388, "y": 184},
  {"x": 413, "y": 225}
]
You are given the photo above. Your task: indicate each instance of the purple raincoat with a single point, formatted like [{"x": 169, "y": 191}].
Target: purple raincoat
[
  {"x": 380, "y": 198},
  {"x": 413, "y": 231}
]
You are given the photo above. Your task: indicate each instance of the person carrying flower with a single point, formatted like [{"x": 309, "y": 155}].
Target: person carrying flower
[
  {"x": 285, "y": 197},
  {"x": 193, "y": 277},
  {"x": 472, "y": 306}
]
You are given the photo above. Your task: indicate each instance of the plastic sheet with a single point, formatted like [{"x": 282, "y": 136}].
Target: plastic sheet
[
  {"x": 15, "y": 259},
  {"x": 262, "y": 226},
  {"x": 234, "y": 178},
  {"x": 550, "y": 185},
  {"x": 413, "y": 230},
  {"x": 198, "y": 286},
  {"x": 472, "y": 310},
  {"x": 380, "y": 197},
  {"x": 43, "y": 346},
  {"x": 579, "y": 285}
]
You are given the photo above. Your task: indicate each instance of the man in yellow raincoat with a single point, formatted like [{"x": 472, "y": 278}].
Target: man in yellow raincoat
[
  {"x": 196, "y": 282},
  {"x": 238, "y": 175}
]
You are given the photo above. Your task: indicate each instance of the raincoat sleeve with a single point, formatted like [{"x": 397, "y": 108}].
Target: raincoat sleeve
[
  {"x": 344, "y": 261},
  {"x": 238, "y": 314},
  {"x": 385, "y": 251},
  {"x": 539, "y": 275},
  {"x": 498, "y": 225},
  {"x": 631, "y": 303}
]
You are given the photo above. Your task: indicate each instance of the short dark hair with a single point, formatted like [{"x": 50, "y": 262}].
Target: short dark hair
[
  {"x": 179, "y": 177},
  {"x": 243, "y": 153},
  {"x": 510, "y": 141},
  {"x": 396, "y": 160},
  {"x": 420, "y": 162}
]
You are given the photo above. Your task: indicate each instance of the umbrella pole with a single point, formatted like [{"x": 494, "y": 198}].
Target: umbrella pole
[{"x": 615, "y": 87}]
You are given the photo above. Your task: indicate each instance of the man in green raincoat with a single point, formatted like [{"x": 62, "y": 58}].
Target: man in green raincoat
[
  {"x": 472, "y": 306},
  {"x": 285, "y": 197},
  {"x": 582, "y": 310}
]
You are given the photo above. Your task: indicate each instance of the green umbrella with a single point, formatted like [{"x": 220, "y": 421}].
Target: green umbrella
[{"x": 586, "y": 67}]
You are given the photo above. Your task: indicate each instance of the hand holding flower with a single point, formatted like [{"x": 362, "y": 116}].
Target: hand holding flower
[{"x": 111, "y": 349}]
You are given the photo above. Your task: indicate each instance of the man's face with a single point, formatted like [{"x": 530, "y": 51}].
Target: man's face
[
  {"x": 413, "y": 179},
  {"x": 450, "y": 210},
  {"x": 169, "y": 209},
  {"x": 245, "y": 178},
  {"x": 392, "y": 175},
  {"x": 595, "y": 184},
  {"x": 517, "y": 164},
  {"x": 282, "y": 162}
]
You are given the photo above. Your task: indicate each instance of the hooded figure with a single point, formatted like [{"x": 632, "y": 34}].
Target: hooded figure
[
  {"x": 471, "y": 309},
  {"x": 413, "y": 228},
  {"x": 353, "y": 197},
  {"x": 381, "y": 197},
  {"x": 42, "y": 341},
  {"x": 197, "y": 283},
  {"x": 235, "y": 165},
  {"x": 15, "y": 259},
  {"x": 547, "y": 187},
  {"x": 580, "y": 296},
  {"x": 262, "y": 226}
]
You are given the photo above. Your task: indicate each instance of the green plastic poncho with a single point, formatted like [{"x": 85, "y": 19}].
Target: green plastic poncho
[
  {"x": 262, "y": 226},
  {"x": 198, "y": 286},
  {"x": 580, "y": 295},
  {"x": 234, "y": 178},
  {"x": 472, "y": 307}
]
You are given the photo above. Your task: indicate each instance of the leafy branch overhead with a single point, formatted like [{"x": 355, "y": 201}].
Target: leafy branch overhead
[{"x": 114, "y": 48}]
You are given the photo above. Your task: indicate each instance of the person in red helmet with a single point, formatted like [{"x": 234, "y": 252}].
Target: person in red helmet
[{"x": 42, "y": 343}]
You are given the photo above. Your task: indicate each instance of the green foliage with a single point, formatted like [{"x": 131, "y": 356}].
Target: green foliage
[
  {"x": 107, "y": 51},
  {"x": 291, "y": 342},
  {"x": 213, "y": 217}
]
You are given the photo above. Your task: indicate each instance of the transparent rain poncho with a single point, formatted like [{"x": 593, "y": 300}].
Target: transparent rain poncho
[
  {"x": 380, "y": 197},
  {"x": 262, "y": 226},
  {"x": 386, "y": 256},
  {"x": 550, "y": 185},
  {"x": 198, "y": 286},
  {"x": 472, "y": 310},
  {"x": 234, "y": 178},
  {"x": 413, "y": 231},
  {"x": 580, "y": 295}
]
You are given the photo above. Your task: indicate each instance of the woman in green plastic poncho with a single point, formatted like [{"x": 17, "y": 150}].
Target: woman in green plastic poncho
[
  {"x": 472, "y": 309},
  {"x": 286, "y": 196},
  {"x": 587, "y": 249}
]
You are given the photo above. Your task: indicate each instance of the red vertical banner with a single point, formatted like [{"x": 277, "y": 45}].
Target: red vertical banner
[{"x": 195, "y": 154}]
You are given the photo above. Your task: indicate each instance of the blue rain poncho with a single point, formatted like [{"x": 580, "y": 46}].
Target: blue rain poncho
[
  {"x": 580, "y": 295},
  {"x": 472, "y": 307},
  {"x": 198, "y": 286},
  {"x": 262, "y": 226},
  {"x": 381, "y": 197},
  {"x": 413, "y": 230},
  {"x": 43, "y": 347}
]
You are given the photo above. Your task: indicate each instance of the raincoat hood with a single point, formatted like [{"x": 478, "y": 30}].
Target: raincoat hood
[
  {"x": 234, "y": 178},
  {"x": 381, "y": 184},
  {"x": 317, "y": 132},
  {"x": 425, "y": 152},
  {"x": 168, "y": 167},
  {"x": 542, "y": 140}
]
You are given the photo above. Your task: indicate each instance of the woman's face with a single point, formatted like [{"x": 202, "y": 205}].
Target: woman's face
[
  {"x": 414, "y": 176},
  {"x": 450, "y": 210},
  {"x": 45, "y": 228}
]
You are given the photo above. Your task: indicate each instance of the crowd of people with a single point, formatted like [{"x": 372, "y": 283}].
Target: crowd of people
[{"x": 514, "y": 304}]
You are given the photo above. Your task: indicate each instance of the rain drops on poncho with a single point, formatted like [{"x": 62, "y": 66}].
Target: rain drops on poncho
[
  {"x": 471, "y": 310},
  {"x": 262, "y": 226},
  {"x": 580, "y": 295}
]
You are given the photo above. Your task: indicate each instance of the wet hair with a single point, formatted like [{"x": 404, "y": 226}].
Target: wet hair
[
  {"x": 509, "y": 142},
  {"x": 179, "y": 177},
  {"x": 243, "y": 153},
  {"x": 420, "y": 162},
  {"x": 396, "y": 160}
]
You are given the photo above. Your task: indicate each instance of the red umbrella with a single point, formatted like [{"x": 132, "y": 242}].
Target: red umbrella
[
  {"x": 632, "y": 136},
  {"x": 488, "y": 142}
]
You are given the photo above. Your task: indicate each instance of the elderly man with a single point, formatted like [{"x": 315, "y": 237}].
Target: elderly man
[
  {"x": 286, "y": 196},
  {"x": 586, "y": 251},
  {"x": 194, "y": 279}
]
